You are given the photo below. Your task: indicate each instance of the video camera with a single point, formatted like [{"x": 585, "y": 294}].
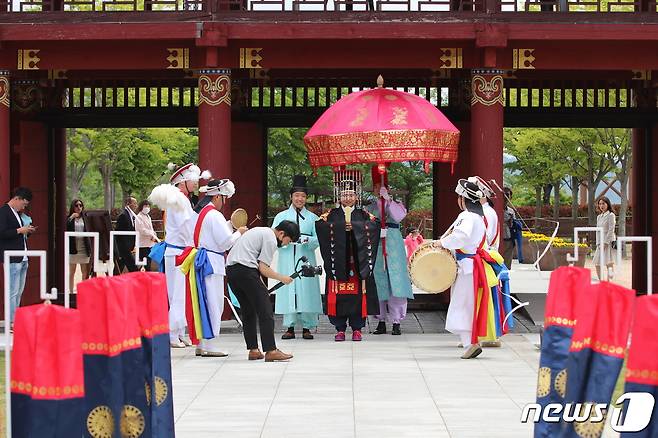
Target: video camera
[{"x": 306, "y": 270}]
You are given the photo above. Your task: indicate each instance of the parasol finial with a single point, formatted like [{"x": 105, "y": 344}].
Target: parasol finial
[{"x": 380, "y": 81}]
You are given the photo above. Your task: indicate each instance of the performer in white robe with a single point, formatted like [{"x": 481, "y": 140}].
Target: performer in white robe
[
  {"x": 176, "y": 200},
  {"x": 493, "y": 230},
  {"x": 215, "y": 234},
  {"x": 493, "y": 233},
  {"x": 466, "y": 234}
]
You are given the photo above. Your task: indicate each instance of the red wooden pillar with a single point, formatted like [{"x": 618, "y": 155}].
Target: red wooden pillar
[
  {"x": 215, "y": 122},
  {"x": 58, "y": 201},
  {"x": 444, "y": 201},
  {"x": 5, "y": 144},
  {"x": 487, "y": 101},
  {"x": 652, "y": 202},
  {"x": 250, "y": 149}
]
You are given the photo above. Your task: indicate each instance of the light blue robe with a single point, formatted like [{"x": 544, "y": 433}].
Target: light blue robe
[
  {"x": 303, "y": 294},
  {"x": 396, "y": 282}
]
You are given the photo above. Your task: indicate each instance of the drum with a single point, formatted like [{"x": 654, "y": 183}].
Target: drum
[
  {"x": 432, "y": 269},
  {"x": 239, "y": 218}
]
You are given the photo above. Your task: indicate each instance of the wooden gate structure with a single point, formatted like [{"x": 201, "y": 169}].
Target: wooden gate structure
[{"x": 234, "y": 68}]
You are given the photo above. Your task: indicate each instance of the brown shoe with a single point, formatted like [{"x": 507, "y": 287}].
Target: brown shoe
[
  {"x": 277, "y": 356},
  {"x": 255, "y": 355},
  {"x": 289, "y": 334},
  {"x": 205, "y": 353}
]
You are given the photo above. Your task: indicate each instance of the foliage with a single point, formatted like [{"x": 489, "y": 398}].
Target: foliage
[
  {"x": 133, "y": 158},
  {"x": 286, "y": 157}
]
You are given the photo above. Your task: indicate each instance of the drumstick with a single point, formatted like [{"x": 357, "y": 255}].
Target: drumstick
[
  {"x": 509, "y": 201},
  {"x": 257, "y": 218}
]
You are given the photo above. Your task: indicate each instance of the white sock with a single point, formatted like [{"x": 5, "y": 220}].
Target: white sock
[{"x": 466, "y": 340}]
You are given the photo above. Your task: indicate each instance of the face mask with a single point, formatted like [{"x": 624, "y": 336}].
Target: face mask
[{"x": 146, "y": 210}]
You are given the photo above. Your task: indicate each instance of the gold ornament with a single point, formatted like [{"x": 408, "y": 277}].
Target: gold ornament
[
  {"x": 544, "y": 382},
  {"x": 589, "y": 429},
  {"x": 147, "y": 388},
  {"x": 561, "y": 383},
  {"x": 215, "y": 91},
  {"x": 100, "y": 422},
  {"x": 161, "y": 391},
  {"x": 4, "y": 91},
  {"x": 487, "y": 92},
  {"x": 132, "y": 422}
]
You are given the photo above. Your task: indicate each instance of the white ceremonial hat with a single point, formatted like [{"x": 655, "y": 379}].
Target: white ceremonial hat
[
  {"x": 189, "y": 172},
  {"x": 215, "y": 187}
]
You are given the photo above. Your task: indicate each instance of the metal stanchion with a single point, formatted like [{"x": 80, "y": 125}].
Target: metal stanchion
[
  {"x": 43, "y": 293},
  {"x": 110, "y": 271},
  {"x": 599, "y": 238},
  {"x": 99, "y": 266}
]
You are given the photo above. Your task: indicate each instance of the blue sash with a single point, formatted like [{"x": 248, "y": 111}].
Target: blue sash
[{"x": 157, "y": 253}]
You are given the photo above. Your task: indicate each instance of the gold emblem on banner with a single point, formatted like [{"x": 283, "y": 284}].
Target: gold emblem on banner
[
  {"x": 588, "y": 428},
  {"x": 179, "y": 58},
  {"x": 132, "y": 422},
  {"x": 28, "y": 59},
  {"x": 523, "y": 59},
  {"x": 544, "y": 382},
  {"x": 100, "y": 422},
  {"x": 451, "y": 57},
  {"x": 561, "y": 383},
  {"x": 147, "y": 390},
  {"x": 250, "y": 57},
  {"x": 161, "y": 391}
]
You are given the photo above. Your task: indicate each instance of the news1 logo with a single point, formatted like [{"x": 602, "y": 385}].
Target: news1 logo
[{"x": 635, "y": 417}]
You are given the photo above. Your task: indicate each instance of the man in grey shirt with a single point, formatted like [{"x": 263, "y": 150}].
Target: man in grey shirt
[{"x": 251, "y": 257}]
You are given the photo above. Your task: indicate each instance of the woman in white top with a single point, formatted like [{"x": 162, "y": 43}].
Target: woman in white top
[
  {"x": 147, "y": 235},
  {"x": 606, "y": 220},
  {"x": 79, "y": 247}
]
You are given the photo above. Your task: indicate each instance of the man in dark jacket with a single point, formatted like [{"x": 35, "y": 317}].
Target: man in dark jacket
[
  {"x": 126, "y": 244},
  {"x": 13, "y": 236}
]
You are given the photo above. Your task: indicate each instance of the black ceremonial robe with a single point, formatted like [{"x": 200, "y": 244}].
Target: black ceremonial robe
[{"x": 349, "y": 258}]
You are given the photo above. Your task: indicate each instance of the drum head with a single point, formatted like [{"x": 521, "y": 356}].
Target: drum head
[
  {"x": 239, "y": 218},
  {"x": 432, "y": 269}
]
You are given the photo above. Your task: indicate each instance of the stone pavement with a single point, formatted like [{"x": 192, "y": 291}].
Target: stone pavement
[{"x": 414, "y": 385}]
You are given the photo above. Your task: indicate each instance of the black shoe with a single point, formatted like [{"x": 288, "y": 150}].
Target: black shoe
[
  {"x": 306, "y": 334},
  {"x": 381, "y": 329},
  {"x": 289, "y": 334},
  {"x": 396, "y": 329}
]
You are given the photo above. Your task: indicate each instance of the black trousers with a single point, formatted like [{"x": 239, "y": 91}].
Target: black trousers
[
  {"x": 255, "y": 306},
  {"x": 340, "y": 322}
]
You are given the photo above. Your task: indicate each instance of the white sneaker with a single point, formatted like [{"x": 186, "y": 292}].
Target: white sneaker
[{"x": 178, "y": 344}]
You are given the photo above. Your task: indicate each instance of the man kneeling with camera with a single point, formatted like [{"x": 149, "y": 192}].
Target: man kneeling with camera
[{"x": 251, "y": 257}]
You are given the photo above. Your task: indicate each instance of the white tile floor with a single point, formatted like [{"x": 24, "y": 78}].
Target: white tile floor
[{"x": 408, "y": 386}]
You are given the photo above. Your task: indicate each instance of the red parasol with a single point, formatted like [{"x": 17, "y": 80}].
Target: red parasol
[{"x": 381, "y": 126}]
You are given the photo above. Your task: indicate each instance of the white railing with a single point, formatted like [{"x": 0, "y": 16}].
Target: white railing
[
  {"x": 43, "y": 293},
  {"x": 599, "y": 238},
  {"x": 110, "y": 269},
  {"x": 99, "y": 266}
]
